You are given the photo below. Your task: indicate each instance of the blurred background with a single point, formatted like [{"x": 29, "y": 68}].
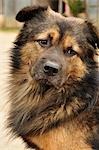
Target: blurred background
[
  {"x": 9, "y": 28},
  {"x": 82, "y": 8}
]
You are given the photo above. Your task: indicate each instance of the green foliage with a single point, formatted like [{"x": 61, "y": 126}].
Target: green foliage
[{"x": 76, "y": 6}]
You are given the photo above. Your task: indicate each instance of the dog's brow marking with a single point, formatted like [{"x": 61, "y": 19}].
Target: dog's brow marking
[
  {"x": 54, "y": 32},
  {"x": 70, "y": 41}
]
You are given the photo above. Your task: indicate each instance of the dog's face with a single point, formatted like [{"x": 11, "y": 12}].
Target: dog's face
[
  {"x": 56, "y": 48},
  {"x": 53, "y": 66},
  {"x": 59, "y": 54}
]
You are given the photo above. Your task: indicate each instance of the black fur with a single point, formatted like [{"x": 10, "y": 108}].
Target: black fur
[
  {"x": 28, "y": 13},
  {"x": 30, "y": 144}
]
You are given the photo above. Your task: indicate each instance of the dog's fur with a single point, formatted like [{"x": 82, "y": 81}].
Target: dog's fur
[{"x": 60, "y": 111}]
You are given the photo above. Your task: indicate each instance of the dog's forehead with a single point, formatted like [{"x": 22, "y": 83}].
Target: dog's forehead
[
  {"x": 55, "y": 21},
  {"x": 71, "y": 24},
  {"x": 62, "y": 26},
  {"x": 65, "y": 22}
]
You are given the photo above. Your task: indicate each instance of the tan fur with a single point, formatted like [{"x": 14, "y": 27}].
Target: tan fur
[
  {"x": 76, "y": 69},
  {"x": 52, "y": 32},
  {"x": 63, "y": 138},
  {"x": 70, "y": 41}
]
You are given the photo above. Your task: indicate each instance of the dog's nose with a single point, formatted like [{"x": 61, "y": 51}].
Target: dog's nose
[{"x": 51, "y": 68}]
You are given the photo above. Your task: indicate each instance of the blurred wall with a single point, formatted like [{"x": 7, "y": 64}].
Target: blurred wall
[
  {"x": 92, "y": 10},
  {"x": 9, "y": 9}
]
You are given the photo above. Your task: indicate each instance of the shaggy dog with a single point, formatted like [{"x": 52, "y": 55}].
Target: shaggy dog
[{"x": 54, "y": 82}]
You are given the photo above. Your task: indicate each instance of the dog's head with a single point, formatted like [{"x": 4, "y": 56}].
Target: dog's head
[
  {"x": 57, "y": 50},
  {"x": 53, "y": 69}
]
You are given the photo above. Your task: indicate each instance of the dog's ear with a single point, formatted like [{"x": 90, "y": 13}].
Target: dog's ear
[
  {"x": 93, "y": 38},
  {"x": 92, "y": 35},
  {"x": 28, "y": 13}
]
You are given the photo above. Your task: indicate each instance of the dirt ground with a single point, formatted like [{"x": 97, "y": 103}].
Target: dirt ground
[{"x": 6, "y": 140}]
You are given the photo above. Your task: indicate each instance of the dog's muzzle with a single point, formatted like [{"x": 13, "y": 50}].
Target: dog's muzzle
[{"x": 47, "y": 71}]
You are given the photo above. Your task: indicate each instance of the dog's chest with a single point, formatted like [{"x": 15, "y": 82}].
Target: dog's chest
[{"x": 62, "y": 139}]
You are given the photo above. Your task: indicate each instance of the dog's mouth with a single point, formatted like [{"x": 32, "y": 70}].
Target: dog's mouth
[{"x": 46, "y": 85}]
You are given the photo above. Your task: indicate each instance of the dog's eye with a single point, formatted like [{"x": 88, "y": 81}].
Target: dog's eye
[
  {"x": 44, "y": 43},
  {"x": 70, "y": 52}
]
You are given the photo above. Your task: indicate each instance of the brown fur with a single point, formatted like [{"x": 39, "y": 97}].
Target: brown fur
[
  {"x": 61, "y": 111},
  {"x": 63, "y": 138}
]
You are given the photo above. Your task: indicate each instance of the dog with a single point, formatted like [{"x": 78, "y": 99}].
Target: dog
[{"x": 54, "y": 81}]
